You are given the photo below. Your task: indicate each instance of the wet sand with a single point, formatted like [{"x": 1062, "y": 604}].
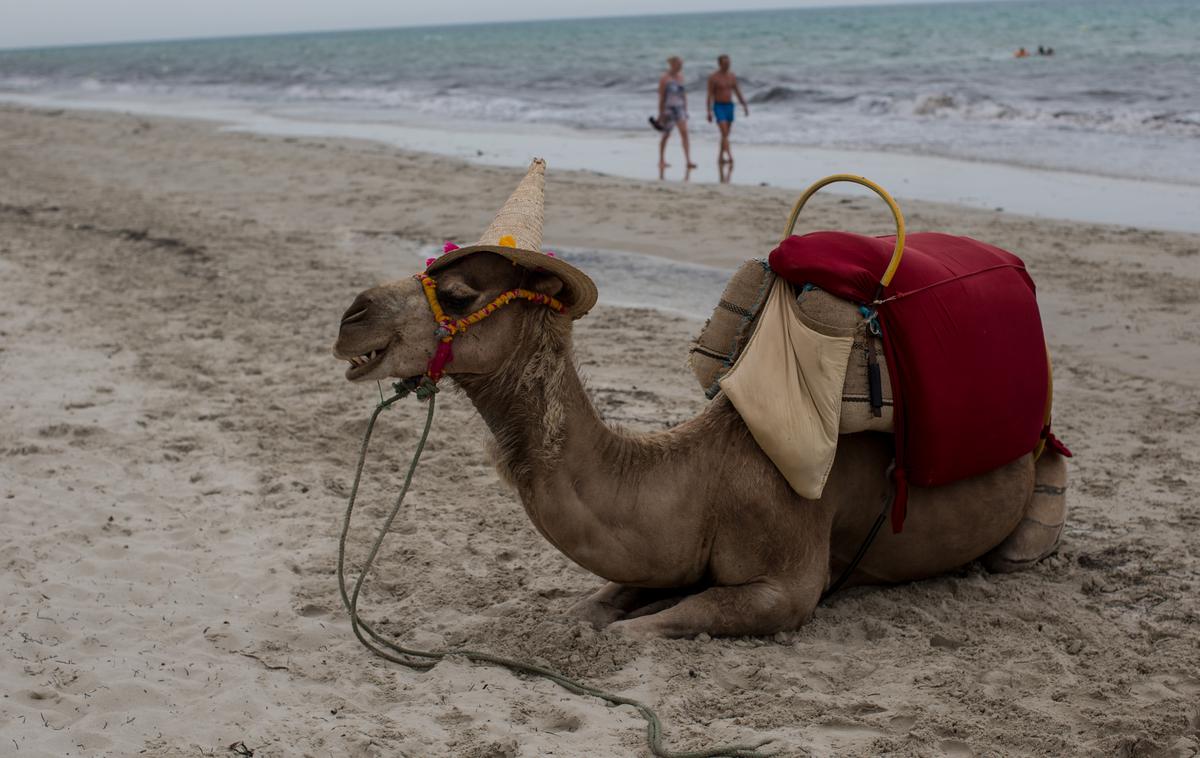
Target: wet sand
[{"x": 176, "y": 445}]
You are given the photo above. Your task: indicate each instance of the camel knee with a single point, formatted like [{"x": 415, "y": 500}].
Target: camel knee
[
  {"x": 1040, "y": 530},
  {"x": 784, "y": 608}
]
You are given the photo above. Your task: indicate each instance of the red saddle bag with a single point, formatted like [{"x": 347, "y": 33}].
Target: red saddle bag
[{"x": 963, "y": 340}]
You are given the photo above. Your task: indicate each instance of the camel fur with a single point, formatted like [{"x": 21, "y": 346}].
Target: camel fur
[{"x": 694, "y": 528}]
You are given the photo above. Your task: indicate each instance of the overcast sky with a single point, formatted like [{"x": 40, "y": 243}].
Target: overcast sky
[{"x": 33, "y": 23}]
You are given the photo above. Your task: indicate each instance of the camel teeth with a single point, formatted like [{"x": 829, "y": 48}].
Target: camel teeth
[{"x": 362, "y": 360}]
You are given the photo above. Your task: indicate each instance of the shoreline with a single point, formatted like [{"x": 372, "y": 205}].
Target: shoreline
[{"x": 981, "y": 185}]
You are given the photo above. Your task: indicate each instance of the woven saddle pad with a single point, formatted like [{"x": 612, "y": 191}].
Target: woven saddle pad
[{"x": 727, "y": 331}]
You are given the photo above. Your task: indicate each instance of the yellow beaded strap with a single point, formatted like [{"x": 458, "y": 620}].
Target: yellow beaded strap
[{"x": 448, "y": 328}]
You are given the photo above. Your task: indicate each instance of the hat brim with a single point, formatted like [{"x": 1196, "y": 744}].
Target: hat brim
[{"x": 579, "y": 290}]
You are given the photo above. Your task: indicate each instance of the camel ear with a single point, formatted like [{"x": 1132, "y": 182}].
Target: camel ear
[{"x": 545, "y": 283}]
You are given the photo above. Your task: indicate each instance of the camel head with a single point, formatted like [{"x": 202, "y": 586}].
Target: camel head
[
  {"x": 390, "y": 331},
  {"x": 486, "y": 294}
]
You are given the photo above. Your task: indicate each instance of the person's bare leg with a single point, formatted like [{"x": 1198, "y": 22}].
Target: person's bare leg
[
  {"x": 662, "y": 155},
  {"x": 724, "y": 155},
  {"x": 687, "y": 152}
]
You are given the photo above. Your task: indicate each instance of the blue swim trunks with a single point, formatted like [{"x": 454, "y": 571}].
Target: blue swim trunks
[{"x": 723, "y": 112}]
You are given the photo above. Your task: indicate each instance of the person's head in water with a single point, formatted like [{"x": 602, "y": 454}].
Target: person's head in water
[
  {"x": 723, "y": 63},
  {"x": 674, "y": 64}
]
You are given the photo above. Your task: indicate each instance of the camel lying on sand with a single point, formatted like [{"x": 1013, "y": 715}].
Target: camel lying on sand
[{"x": 694, "y": 528}]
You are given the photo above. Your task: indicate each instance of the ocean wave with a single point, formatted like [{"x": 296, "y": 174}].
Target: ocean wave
[
  {"x": 606, "y": 103},
  {"x": 21, "y": 83},
  {"x": 782, "y": 93},
  {"x": 966, "y": 106},
  {"x": 773, "y": 94}
]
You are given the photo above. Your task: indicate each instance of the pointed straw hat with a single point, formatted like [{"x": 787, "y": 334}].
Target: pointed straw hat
[{"x": 516, "y": 234}]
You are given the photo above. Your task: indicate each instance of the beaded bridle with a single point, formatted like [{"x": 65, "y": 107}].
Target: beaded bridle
[{"x": 449, "y": 328}]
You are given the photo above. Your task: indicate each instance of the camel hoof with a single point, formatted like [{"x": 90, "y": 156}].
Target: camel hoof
[
  {"x": 598, "y": 615},
  {"x": 1010, "y": 560},
  {"x": 635, "y": 629}
]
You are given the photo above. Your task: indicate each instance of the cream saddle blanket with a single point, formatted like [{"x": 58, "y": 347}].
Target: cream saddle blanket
[{"x": 787, "y": 385}]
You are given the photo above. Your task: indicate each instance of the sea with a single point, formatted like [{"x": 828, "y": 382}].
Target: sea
[{"x": 1119, "y": 97}]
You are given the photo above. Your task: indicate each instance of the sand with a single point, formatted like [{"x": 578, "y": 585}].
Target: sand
[{"x": 177, "y": 443}]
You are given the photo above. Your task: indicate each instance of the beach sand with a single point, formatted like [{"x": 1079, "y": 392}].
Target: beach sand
[{"x": 177, "y": 444}]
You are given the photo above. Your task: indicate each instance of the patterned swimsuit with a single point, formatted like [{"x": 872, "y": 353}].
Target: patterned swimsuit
[{"x": 674, "y": 108}]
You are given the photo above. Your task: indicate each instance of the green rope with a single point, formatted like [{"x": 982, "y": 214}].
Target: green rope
[{"x": 426, "y": 659}]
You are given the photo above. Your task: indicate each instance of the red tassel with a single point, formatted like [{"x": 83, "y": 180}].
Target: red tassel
[
  {"x": 900, "y": 503},
  {"x": 437, "y": 364},
  {"x": 1055, "y": 444}
]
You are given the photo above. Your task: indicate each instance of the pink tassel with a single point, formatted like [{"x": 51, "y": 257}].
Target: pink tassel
[
  {"x": 429, "y": 262},
  {"x": 447, "y": 246}
]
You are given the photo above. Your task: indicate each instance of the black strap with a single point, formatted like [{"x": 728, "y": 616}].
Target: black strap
[{"x": 862, "y": 551}]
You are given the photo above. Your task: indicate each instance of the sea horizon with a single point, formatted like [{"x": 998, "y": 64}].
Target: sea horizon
[{"x": 509, "y": 22}]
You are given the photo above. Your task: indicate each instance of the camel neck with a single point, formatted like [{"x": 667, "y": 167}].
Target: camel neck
[
  {"x": 538, "y": 411},
  {"x": 597, "y": 494}
]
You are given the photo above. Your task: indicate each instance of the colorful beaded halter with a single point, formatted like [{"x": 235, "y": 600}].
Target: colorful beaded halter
[{"x": 448, "y": 328}]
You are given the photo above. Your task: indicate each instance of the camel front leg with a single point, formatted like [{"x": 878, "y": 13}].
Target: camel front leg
[
  {"x": 615, "y": 601},
  {"x": 757, "y": 608}
]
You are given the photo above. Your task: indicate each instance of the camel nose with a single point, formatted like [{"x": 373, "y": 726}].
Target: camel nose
[{"x": 357, "y": 310}]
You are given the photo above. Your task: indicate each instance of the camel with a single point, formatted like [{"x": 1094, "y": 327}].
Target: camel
[{"x": 693, "y": 528}]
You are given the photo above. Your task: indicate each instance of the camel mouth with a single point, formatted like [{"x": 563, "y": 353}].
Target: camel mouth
[{"x": 363, "y": 365}]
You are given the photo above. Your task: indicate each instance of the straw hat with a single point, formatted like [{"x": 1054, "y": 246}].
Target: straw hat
[{"x": 516, "y": 234}]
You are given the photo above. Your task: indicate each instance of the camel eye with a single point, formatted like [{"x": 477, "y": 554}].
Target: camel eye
[{"x": 457, "y": 301}]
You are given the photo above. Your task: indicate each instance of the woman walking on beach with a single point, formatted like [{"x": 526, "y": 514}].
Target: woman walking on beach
[{"x": 672, "y": 112}]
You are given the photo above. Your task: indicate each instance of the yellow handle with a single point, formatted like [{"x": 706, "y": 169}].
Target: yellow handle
[{"x": 890, "y": 271}]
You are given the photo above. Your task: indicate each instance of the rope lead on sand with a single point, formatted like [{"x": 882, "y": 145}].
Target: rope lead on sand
[{"x": 423, "y": 660}]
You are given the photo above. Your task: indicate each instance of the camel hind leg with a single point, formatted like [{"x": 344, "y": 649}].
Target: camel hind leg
[{"x": 1038, "y": 534}]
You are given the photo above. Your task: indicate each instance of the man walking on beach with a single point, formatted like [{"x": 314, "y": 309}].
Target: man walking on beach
[{"x": 722, "y": 86}]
